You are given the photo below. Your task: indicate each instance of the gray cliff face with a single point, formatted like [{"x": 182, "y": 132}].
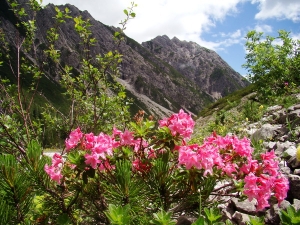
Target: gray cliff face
[
  {"x": 174, "y": 74},
  {"x": 201, "y": 65}
]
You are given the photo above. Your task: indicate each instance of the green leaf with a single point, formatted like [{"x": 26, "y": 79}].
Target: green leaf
[
  {"x": 132, "y": 15},
  {"x": 162, "y": 218},
  {"x": 200, "y": 221},
  {"x": 212, "y": 214},
  {"x": 34, "y": 152},
  {"x": 63, "y": 219},
  {"x": 126, "y": 12},
  {"x": 118, "y": 215}
]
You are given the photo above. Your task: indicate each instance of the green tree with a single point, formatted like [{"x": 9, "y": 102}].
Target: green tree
[
  {"x": 273, "y": 63},
  {"x": 95, "y": 102}
]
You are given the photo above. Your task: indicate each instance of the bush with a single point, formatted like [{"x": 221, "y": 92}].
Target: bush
[{"x": 272, "y": 66}]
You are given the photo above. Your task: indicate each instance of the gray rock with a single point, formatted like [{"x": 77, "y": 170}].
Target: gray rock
[
  {"x": 244, "y": 206},
  {"x": 285, "y": 170},
  {"x": 293, "y": 163},
  {"x": 272, "y": 214},
  {"x": 294, "y": 186},
  {"x": 273, "y": 108},
  {"x": 289, "y": 153},
  {"x": 241, "y": 218},
  {"x": 294, "y": 118},
  {"x": 284, "y": 204},
  {"x": 270, "y": 145},
  {"x": 297, "y": 172},
  {"x": 296, "y": 204},
  {"x": 282, "y": 146},
  {"x": 182, "y": 220},
  {"x": 294, "y": 107},
  {"x": 266, "y": 132}
]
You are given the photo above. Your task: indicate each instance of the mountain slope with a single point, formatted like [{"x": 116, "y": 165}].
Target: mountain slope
[
  {"x": 201, "y": 65},
  {"x": 171, "y": 73}
]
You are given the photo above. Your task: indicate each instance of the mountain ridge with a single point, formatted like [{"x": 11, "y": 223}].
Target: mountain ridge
[{"x": 158, "y": 76}]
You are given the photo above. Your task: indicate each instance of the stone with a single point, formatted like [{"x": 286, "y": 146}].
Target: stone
[
  {"x": 284, "y": 204},
  {"x": 182, "y": 220},
  {"x": 296, "y": 204},
  {"x": 289, "y": 153},
  {"x": 285, "y": 170},
  {"x": 297, "y": 172},
  {"x": 293, "y": 163},
  {"x": 294, "y": 117},
  {"x": 293, "y": 107},
  {"x": 244, "y": 206},
  {"x": 273, "y": 108},
  {"x": 282, "y": 146},
  {"x": 294, "y": 181},
  {"x": 272, "y": 215},
  {"x": 270, "y": 145},
  {"x": 266, "y": 132},
  {"x": 241, "y": 218}
]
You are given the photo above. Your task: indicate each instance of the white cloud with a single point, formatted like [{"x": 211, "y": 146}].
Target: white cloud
[
  {"x": 236, "y": 34},
  {"x": 263, "y": 28},
  {"x": 280, "y": 9},
  {"x": 295, "y": 36},
  {"x": 183, "y": 19}
]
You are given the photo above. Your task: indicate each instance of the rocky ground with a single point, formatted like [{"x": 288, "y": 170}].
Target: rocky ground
[{"x": 278, "y": 130}]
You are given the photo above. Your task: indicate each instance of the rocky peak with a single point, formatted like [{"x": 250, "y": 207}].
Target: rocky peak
[{"x": 203, "y": 66}]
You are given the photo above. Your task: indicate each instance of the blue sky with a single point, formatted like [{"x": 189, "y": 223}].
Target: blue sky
[{"x": 220, "y": 25}]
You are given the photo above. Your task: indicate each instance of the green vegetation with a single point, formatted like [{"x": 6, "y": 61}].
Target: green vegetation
[
  {"x": 273, "y": 67},
  {"x": 274, "y": 73},
  {"x": 222, "y": 104},
  {"x": 290, "y": 216},
  {"x": 138, "y": 180}
]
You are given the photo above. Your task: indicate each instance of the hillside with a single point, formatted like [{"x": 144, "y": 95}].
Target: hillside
[{"x": 173, "y": 74}]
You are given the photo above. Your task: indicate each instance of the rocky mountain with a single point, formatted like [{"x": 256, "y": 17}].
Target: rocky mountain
[
  {"x": 201, "y": 65},
  {"x": 162, "y": 75}
]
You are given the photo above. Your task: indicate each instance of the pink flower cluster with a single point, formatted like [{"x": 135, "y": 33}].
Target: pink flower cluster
[
  {"x": 218, "y": 152},
  {"x": 74, "y": 139},
  {"x": 54, "y": 171},
  {"x": 226, "y": 156},
  {"x": 233, "y": 157},
  {"x": 99, "y": 147},
  {"x": 179, "y": 124},
  {"x": 263, "y": 180}
]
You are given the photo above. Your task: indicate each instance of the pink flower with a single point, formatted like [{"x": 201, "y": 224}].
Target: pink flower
[
  {"x": 89, "y": 140},
  {"x": 92, "y": 160},
  {"x": 281, "y": 187},
  {"x": 127, "y": 138},
  {"x": 54, "y": 173},
  {"x": 103, "y": 145},
  {"x": 56, "y": 160},
  {"x": 116, "y": 132},
  {"x": 105, "y": 165},
  {"x": 74, "y": 138},
  {"x": 242, "y": 147},
  {"x": 139, "y": 144},
  {"x": 151, "y": 154},
  {"x": 140, "y": 166},
  {"x": 188, "y": 157},
  {"x": 230, "y": 169},
  {"x": 250, "y": 167},
  {"x": 179, "y": 124},
  {"x": 251, "y": 189}
]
